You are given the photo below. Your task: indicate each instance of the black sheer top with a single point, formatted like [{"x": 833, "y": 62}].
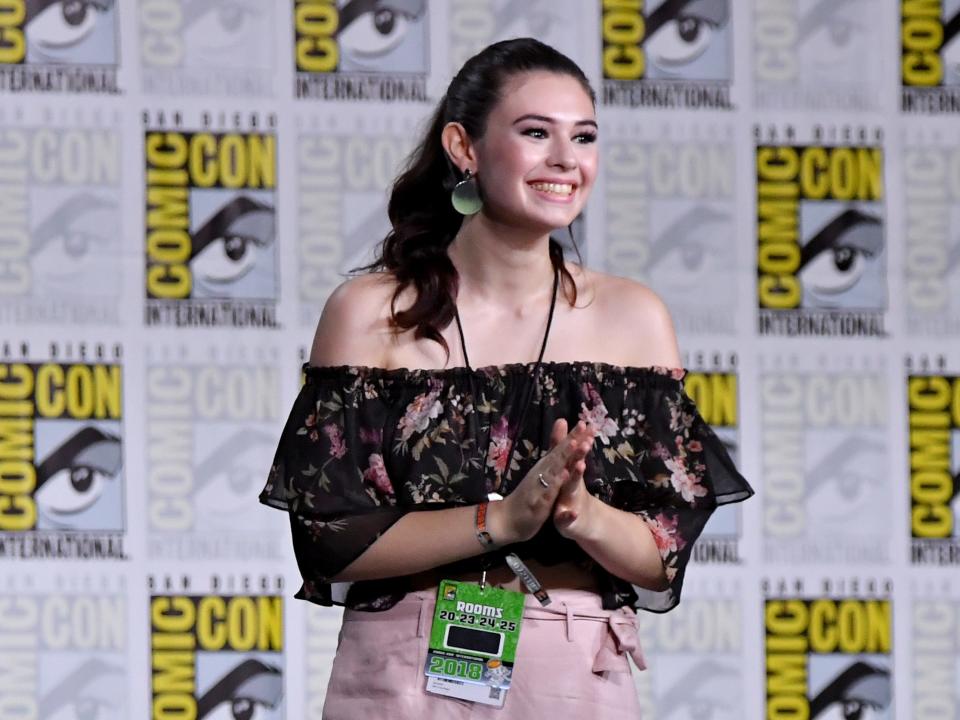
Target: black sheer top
[{"x": 363, "y": 446}]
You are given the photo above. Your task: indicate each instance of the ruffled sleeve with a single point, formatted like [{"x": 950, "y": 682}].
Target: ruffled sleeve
[
  {"x": 329, "y": 473},
  {"x": 664, "y": 463}
]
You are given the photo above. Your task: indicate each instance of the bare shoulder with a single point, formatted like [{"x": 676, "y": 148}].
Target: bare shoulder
[
  {"x": 635, "y": 317},
  {"x": 354, "y": 327}
]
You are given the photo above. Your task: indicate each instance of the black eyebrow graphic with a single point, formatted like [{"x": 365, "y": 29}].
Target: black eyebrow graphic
[
  {"x": 682, "y": 226},
  {"x": 229, "y": 448},
  {"x": 196, "y": 10},
  {"x": 871, "y": 683},
  {"x": 79, "y": 205},
  {"x": 354, "y": 9},
  {"x": 671, "y": 9},
  {"x": 67, "y": 689},
  {"x": 265, "y": 685},
  {"x": 221, "y": 220},
  {"x": 35, "y": 7},
  {"x": 832, "y": 233},
  {"x": 105, "y": 455},
  {"x": 951, "y": 28}
]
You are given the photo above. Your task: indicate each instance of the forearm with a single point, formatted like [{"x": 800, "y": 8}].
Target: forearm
[
  {"x": 622, "y": 543},
  {"x": 423, "y": 540}
]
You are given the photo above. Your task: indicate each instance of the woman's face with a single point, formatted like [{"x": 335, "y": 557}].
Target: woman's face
[{"x": 537, "y": 159}]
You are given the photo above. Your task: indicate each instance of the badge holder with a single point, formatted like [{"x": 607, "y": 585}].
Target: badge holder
[{"x": 474, "y": 637}]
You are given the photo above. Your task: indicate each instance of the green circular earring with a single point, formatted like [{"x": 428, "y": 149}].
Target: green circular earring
[{"x": 465, "y": 197}]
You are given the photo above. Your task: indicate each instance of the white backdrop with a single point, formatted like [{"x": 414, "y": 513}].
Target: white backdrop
[{"x": 182, "y": 183}]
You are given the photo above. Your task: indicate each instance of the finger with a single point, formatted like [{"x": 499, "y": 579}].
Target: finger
[{"x": 558, "y": 432}]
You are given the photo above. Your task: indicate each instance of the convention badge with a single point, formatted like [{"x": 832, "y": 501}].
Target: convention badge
[
  {"x": 473, "y": 639},
  {"x": 483, "y": 694}
]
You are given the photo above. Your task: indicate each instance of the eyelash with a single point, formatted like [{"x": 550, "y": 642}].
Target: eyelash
[{"x": 586, "y": 138}]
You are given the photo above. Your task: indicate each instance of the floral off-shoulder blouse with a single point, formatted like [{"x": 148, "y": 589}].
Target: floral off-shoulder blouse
[{"x": 363, "y": 446}]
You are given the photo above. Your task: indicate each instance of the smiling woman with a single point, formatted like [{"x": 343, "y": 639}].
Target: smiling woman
[{"x": 423, "y": 486}]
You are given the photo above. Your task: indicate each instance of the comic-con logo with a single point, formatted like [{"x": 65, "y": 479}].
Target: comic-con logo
[
  {"x": 361, "y": 49},
  {"x": 203, "y": 48},
  {"x": 210, "y": 230},
  {"x": 828, "y": 658},
  {"x": 812, "y": 55},
  {"x": 61, "y": 456},
  {"x": 209, "y": 441},
  {"x": 930, "y": 56},
  {"x": 931, "y": 189},
  {"x": 825, "y": 465},
  {"x": 216, "y": 656},
  {"x": 670, "y": 224},
  {"x": 59, "y": 46},
  {"x": 933, "y": 401},
  {"x": 715, "y": 393},
  {"x": 821, "y": 260},
  {"x": 694, "y": 660},
  {"x": 64, "y": 656},
  {"x": 60, "y": 243},
  {"x": 667, "y": 53},
  {"x": 342, "y": 178}
]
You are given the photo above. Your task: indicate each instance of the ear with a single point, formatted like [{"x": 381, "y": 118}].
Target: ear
[{"x": 459, "y": 148}]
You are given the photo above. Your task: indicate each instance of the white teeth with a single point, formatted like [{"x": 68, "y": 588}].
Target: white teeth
[{"x": 555, "y": 188}]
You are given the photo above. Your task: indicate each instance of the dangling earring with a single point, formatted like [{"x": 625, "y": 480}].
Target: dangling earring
[{"x": 466, "y": 196}]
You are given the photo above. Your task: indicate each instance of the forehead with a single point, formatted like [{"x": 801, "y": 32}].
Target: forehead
[{"x": 544, "y": 93}]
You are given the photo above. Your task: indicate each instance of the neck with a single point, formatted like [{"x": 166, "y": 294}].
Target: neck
[{"x": 499, "y": 265}]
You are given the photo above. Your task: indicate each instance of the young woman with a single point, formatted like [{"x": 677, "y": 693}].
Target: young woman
[{"x": 478, "y": 395}]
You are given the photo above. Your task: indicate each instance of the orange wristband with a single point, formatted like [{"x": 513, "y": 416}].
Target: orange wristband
[{"x": 481, "y": 525}]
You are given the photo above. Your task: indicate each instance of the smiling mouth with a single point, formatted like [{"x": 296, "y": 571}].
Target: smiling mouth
[{"x": 558, "y": 189}]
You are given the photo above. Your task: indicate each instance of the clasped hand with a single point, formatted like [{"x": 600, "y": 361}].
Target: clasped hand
[{"x": 565, "y": 498}]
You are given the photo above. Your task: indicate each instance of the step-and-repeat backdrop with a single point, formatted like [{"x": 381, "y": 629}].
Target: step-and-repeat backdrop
[{"x": 182, "y": 183}]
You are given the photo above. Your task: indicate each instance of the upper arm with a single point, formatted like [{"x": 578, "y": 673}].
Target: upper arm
[{"x": 354, "y": 325}]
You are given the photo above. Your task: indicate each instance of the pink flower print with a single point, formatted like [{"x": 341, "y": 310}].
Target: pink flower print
[
  {"x": 683, "y": 481},
  {"x": 677, "y": 373},
  {"x": 665, "y": 534},
  {"x": 604, "y": 426},
  {"x": 376, "y": 475},
  {"x": 424, "y": 408},
  {"x": 694, "y": 446},
  {"x": 499, "y": 440},
  {"x": 311, "y": 420},
  {"x": 337, "y": 447}
]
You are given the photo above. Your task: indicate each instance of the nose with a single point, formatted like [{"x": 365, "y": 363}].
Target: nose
[{"x": 562, "y": 155}]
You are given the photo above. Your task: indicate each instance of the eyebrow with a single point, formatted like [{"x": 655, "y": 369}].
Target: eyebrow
[{"x": 544, "y": 118}]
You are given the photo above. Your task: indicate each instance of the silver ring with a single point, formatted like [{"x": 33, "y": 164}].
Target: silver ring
[{"x": 542, "y": 481}]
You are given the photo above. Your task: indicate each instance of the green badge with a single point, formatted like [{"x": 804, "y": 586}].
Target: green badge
[{"x": 474, "y": 634}]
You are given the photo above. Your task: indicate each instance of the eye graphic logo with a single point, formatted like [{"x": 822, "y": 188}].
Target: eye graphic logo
[
  {"x": 201, "y": 48},
  {"x": 667, "y": 54},
  {"x": 930, "y": 56},
  {"x": 361, "y": 49},
  {"x": 821, "y": 259},
  {"x": 816, "y": 54},
  {"x": 59, "y": 45},
  {"x": 61, "y": 439},
  {"x": 234, "y": 665},
  {"x": 211, "y": 228},
  {"x": 933, "y": 401},
  {"x": 828, "y": 658}
]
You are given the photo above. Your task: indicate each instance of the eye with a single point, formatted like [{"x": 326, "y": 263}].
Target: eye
[
  {"x": 249, "y": 691},
  {"x": 375, "y": 32},
  {"x": 535, "y": 132},
  {"x": 71, "y": 477},
  {"x": 836, "y": 270},
  {"x": 680, "y": 41},
  {"x": 226, "y": 259},
  {"x": 64, "y": 23},
  {"x": 586, "y": 138},
  {"x": 691, "y": 241},
  {"x": 226, "y": 18}
]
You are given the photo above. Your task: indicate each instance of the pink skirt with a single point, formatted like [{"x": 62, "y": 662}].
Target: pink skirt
[{"x": 571, "y": 663}]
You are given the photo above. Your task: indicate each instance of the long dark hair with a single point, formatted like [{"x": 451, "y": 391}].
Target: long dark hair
[{"x": 423, "y": 221}]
